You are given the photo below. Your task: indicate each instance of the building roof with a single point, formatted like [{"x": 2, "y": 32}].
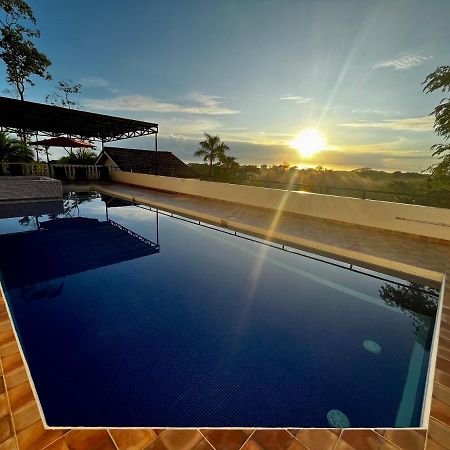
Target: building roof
[
  {"x": 144, "y": 161},
  {"x": 54, "y": 120}
]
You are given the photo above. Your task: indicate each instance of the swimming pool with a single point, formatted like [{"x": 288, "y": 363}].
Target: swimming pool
[{"x": 131, "y": 318}]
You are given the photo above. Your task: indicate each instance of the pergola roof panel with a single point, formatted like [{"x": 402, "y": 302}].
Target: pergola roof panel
[{"x": 55, "y": 120}]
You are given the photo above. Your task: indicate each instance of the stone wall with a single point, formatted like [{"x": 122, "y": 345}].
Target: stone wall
[{"x": 29, "y": 188}]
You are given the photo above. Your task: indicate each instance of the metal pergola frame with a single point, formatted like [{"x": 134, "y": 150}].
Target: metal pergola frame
[{"x": 21, "y": 117}]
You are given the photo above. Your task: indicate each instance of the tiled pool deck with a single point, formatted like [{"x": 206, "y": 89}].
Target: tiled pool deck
[{"x": 21, "y": 426}]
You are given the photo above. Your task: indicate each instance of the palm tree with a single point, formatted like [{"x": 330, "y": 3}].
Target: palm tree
[
  {"x": 14, "y": 150},
  {"x": 211, "y": 149}
]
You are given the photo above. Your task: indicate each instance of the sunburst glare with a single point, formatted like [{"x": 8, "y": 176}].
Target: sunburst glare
[{"x": 308, "y": 142}]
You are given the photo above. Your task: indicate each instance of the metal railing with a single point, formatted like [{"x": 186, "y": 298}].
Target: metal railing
[{"x": 426, "y": 199}]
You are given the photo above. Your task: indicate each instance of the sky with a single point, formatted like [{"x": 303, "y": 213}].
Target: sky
[{"x": 256, "y": 73}]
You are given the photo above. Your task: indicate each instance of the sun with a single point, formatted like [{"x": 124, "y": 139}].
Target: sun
[{"x": 308, "y": 142}]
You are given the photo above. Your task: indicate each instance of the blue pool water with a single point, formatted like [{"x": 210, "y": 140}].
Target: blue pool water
[{"x": 132, "y": 318}]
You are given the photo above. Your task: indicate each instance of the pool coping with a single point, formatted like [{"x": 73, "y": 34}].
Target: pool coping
[{"x": 430, "y": 424}]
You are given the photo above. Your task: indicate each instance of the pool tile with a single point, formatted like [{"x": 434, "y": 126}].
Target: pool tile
[
  {"x": 318, "y": 439},
  {"x": 133, "y": 439},
  {"x": 272, "y": 439},
  {"x": 363, "y": 440},
  {"x": 36, "y": 437},
  {"x": 20, "y": 395},
  {"x": 225, "y": 439},
  {"x": 180, "y": 439},
  {"x": 89, "y": 440},
  {"x": 16, "y": 377},
  {"x": 405, "y": 439},
  {"x": 26, "y": 416}
]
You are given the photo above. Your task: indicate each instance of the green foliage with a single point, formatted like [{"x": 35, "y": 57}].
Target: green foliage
[
  {"x": 439, "y": 80},
  {"x": 82, "y": 156},
  {"x": 14, "y": 150},
  {"x": 211, "y": 149},
  {"x": 22, "y": 59}
]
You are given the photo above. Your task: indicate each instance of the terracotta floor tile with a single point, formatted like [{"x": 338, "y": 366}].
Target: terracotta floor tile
[
  {"x": 439, "y": 433},
  {"x": 251, "y": 445},
  {"x": 440, "y": 411},
  {"x": 36, "y": 437},
  {"x": 156, "y": 445},
  {"x": 203, "y": 445},
  {"x": 298, "y": 445},
  {"x": 433, "y": 445},
  {"x": 20, "y": 395},
  {"x": 16, "y": 377},
  {"x": 11, "y": 362},
  {"x": 89, "y": 440},
  {"x": 6, "y": 336},
  {"x": 443, "y": 364},
  {"x": 26, "y": 416},
  {"x": 9, "y": 348},
  {"x": 9, "y": 444},
  {"x": 319, "y": 439},
  {"x": 180, "y": 439},
  {"x": 225, "y": 439},
  {"x": 133, "y": 439},
  {"x": 442, "y": 378},
  {"x": 273, "y": 439},
  {"x": 59, "y": 444},
  {"x": 363, "y": 440},
  {"x": 6, "y": 428},
  {"x": 406, "y": 439},
  {"x": 4, "y": 405},
  {"x": 2, "y": 384},
  {"x": 441, "y": 393},
  {"x": 5, "y": 325}
]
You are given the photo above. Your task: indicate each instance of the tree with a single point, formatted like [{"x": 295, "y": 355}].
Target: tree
[
  {"x": 18, "y": 52},
  {"x": 211, "y": 149},
  {"x": 14, "y": 150},
  {"x": 439, "y": 80},
  {"x": 62, "y": 96}
]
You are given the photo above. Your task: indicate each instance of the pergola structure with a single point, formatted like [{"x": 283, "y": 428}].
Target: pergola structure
[{"x": 49, "y": 120}]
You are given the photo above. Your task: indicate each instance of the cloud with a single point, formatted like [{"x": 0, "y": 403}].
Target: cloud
[
  {"x": 402, "y": 62},
  {"x": 378, "y": 112},
  {"x": 94, "y": 82},
  {"x": 418, "y": 124},
  {"x": 296, "y": 98},
  {"x": 198, "y": 104}
]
